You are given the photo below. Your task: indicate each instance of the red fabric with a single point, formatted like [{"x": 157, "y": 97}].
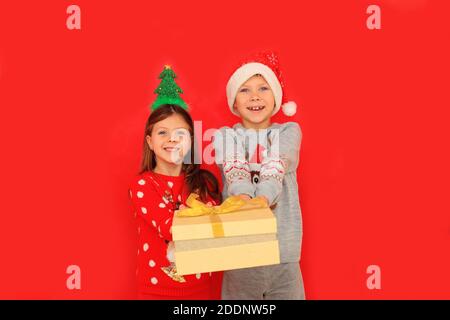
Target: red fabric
[{"x": 154, "y": 216}]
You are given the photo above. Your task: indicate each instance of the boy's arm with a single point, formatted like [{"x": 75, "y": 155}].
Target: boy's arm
[
  {"x": 281, "y": 157},
  {"x": 230, "y": 157}
]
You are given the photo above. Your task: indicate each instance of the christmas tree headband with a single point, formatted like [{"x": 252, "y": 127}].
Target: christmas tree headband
[{"x": 168, "y": 91}]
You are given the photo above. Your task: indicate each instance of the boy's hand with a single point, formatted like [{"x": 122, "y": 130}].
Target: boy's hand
[
  {"x": 245, "y": 197},
  {"x": 265, "y": 200}
]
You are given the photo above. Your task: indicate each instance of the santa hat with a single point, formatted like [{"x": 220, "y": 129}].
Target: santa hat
[{"x": 265, "y": 64}]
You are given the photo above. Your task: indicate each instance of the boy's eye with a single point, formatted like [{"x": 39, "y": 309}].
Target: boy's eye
[
  {"x": 161, "y": 132},
  {"x": 264, "y": 88},
  {"x": 243, "y": 90}
]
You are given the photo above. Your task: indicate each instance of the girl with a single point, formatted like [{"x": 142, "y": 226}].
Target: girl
[{"x": 168, "y": 175}]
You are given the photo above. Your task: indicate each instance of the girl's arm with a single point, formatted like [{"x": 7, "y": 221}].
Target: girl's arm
[
  {"x": 151, "y": 207},
  {"x": 230, "y": 157},
  {"x": 281, "y": 157}
]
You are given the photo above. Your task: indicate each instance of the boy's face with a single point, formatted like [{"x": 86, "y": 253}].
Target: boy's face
[{"x": 255, "y": 103}]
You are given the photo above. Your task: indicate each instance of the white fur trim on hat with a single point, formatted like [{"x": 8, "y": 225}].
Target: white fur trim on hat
[
  {"x": 245, "y": 72},
  {"x": 289, "y": 108}
]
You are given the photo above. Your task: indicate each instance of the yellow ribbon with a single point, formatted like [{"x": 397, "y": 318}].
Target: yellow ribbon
[{"x": 231, "y": 204}]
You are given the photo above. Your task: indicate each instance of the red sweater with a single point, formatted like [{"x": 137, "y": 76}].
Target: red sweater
[{"x": 150, "y": 195}]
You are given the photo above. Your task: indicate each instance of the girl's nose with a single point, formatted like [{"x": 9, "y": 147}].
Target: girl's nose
[{"x": 173, "y": 138}]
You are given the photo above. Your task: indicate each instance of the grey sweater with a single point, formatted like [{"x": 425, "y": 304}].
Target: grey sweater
[{"x": 264, "y": 163}]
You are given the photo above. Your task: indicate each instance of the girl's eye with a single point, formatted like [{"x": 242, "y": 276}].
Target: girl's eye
[
  {"x": 264, "y": 88},
  {"x": 244, "y": 90},
  {"x": 182, "y": 133},
  {"x": 161, "y": 132}
]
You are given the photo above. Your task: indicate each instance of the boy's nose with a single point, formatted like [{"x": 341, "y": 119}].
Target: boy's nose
[{"x": 254, "y": 97}]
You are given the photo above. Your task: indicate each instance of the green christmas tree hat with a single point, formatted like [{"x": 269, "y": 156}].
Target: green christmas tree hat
[{"x": 168, "y": 91}]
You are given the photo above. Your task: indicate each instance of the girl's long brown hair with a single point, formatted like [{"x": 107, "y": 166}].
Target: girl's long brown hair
[{"x": 198, "y": 180}]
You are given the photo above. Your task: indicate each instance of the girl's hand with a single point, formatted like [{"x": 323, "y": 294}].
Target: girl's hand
[{"x": 182, "y": 206}]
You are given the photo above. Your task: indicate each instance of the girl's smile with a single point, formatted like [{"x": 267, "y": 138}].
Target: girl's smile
[{"x": 172, "y": 149}]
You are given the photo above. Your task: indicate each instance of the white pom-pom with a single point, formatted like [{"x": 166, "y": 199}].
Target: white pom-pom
[
  {"x": 171, "y": 252},
  {"x": 289, "y": 108}
]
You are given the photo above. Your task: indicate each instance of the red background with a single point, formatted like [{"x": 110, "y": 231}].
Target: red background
[{"x": 373, "y": 107}]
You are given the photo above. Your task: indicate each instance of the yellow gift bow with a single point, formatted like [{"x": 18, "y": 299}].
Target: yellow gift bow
[{"x": 231, "y": 204}]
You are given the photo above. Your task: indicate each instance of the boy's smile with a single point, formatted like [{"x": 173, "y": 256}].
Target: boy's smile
[
  {"x": 256, "y": 108},
  {"x": 255, "y": 103}
]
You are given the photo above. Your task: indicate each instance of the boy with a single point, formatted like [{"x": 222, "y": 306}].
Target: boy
[{"x": 258, "y": 158}]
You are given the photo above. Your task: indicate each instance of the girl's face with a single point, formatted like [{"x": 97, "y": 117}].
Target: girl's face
[
  {"x": 170, "y": 140},
  {"x": 255, "y": 103}
]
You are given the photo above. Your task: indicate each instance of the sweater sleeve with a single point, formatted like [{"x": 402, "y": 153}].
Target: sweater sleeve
[
  {"x": 280, "y": 158},
  {"x": 230, "y": 157},
  {"x": 152, "y": 208}
]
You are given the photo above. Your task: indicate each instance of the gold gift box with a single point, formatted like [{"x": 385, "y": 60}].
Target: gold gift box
[{"x": 237, "y": 239}]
